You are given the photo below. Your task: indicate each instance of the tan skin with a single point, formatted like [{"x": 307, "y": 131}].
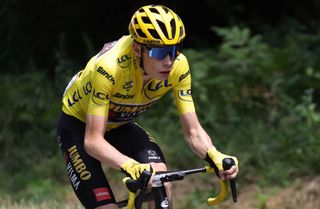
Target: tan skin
[{"x": 195, "y": 136}]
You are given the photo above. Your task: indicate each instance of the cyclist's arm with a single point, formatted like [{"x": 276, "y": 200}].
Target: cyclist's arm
[
  {"x": 99, "y": 148},
  {"x": 97, "y": 117},
  {"x": 196, "y": 137},
  {"x": 199, "y": 141},
  {"x": 96, "y": 145}
]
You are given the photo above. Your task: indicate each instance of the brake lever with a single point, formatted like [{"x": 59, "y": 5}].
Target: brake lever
[
  {"x": 145, "y": 177},
  {"x": 227, "y": 163},
  {"x": 139, "y": 185}
]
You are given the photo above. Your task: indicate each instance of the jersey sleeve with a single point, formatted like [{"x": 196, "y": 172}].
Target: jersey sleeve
[
  {"x": 103, "y": 84},
  {"x": 182, "y": 86}
]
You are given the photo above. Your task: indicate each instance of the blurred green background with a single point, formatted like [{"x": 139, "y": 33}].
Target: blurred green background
[{"x": 256, "y": 85}]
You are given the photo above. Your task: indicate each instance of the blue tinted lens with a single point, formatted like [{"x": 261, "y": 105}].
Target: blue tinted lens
[{"x": 160, "y": 53}]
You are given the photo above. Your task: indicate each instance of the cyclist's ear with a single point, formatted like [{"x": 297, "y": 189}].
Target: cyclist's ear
[{"x": 137, "y": 49}]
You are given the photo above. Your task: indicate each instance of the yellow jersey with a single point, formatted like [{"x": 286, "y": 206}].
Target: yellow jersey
[{"x": 111, "y": 85}]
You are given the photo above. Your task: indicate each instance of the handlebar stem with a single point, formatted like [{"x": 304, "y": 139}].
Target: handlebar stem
[{"x": 157, "y": 181}]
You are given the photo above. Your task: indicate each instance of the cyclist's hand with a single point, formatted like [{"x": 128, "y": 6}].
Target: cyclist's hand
[
  {"x": 215, "y": 158},
  {"x": 134, "y": 169}
]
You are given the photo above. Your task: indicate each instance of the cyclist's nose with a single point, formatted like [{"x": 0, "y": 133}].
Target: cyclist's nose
[{"x": 168, "y": 61}]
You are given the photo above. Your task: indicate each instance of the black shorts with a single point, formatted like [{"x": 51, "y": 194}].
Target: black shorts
[{"x": 85, "y": 172}]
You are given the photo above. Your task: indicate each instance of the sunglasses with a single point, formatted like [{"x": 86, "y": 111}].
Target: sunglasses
[{"x": 159, "y": 53}]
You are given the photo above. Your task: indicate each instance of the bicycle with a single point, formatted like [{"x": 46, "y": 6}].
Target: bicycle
[{"x": 138, "y": 195}]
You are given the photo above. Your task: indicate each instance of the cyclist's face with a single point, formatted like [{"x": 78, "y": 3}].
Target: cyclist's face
[{"x": 155, "y": 68}]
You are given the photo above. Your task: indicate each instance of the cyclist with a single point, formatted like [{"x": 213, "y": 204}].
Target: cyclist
[{"x": 118, "y": 84}]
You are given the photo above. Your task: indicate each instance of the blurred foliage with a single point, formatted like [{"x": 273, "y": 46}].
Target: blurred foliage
[{"x": 30, "y": 108}]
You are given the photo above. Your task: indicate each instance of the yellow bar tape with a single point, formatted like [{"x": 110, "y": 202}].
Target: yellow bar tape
[
  {"x": 131, "y": 196},
  {"x": 223, "y": 191}
]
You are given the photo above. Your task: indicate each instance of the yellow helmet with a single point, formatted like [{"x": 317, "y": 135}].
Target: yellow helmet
[{"x": 156, "y": 25}]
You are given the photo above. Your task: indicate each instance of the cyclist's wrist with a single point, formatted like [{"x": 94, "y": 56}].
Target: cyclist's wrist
[
  {"x": 212, "y": 150},
  {"x": 128, "y": 163},
  {"x": 133, "y": 168},
  {"x": 210, "y": 159},
  {"x": 215, "y": 158},
  {"x": 212, "y": 155}
]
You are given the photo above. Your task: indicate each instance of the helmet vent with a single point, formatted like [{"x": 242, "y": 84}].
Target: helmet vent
[
  {"x": 140, "y": 33},
  {"x": 154, "y": 33},
  {"x": 181, "y": 31},
  {"x": 153, "y": 10},
  {"x": 165, "y": 9},
  {"x": 173, "y": 26},
  {"x": 163, "y": 28},
  {"x": 146, "y": 20},
  {"x": 135, "y": 21}
]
